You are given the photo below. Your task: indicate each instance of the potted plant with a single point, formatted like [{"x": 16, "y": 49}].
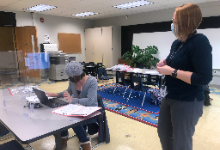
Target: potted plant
[{"x": 141, "y": 57}]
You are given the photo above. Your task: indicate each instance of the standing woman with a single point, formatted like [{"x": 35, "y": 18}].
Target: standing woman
[{"x": 187, "y": 68}]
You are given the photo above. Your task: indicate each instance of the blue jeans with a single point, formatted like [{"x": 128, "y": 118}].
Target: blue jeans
[{"x": 80, "y": 131}]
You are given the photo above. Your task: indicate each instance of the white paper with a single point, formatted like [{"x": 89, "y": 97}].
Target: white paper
[
  {"x": 74, "y": 109},
  {"x": 33, "y": 99},
  {"x": 68, "y": 109},
  {"x": 86, "y": 111},
  {"x": 51, "y": 97}
]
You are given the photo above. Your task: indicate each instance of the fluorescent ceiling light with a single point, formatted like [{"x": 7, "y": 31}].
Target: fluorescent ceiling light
[
  {"x": 133, "y": 4},
  {"x": 86, "y": 14},
  {"x": 41, "y": 7}
]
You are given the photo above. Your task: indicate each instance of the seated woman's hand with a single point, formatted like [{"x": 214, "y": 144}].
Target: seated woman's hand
[
  {"x": 49, "y": 94},
  {"x": 67, "y": 96}
]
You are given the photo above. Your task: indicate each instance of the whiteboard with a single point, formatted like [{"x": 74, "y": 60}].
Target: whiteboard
[{"x": 164, "y": 40}]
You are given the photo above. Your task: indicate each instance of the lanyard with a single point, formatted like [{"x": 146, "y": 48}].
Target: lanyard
[{"x": 174, "y": 52}]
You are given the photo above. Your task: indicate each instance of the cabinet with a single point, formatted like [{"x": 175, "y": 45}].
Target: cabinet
[{"x": 103, "y": 45}]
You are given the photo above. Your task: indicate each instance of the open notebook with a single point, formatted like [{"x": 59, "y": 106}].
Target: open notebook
[{"x": 75, "y": 110}]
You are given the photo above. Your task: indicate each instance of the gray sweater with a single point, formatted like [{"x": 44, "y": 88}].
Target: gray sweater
[{"x": 88, "y": 95}]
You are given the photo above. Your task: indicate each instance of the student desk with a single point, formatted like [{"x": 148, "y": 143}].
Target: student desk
[{"x": 29, "y": 127}]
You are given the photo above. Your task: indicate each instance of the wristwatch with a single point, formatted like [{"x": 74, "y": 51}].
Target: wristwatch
[{"x": 174, "y": 74}]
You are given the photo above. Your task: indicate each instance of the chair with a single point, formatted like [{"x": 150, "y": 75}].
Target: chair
[
  {"x": 91, "y": 64},
  {"x": 99, "y": 65},
  {"x": 120, "y": 82},
  {"x": 103, "y": 130},
  {"x": 136, "y": 85},
  {"x": 3, "y": 131},
  {"x": 91, "y": 70},
  {"x": 83, "y": 63},
  {"x": 153, "y": 80},
  {"x": 12, "y": 145},
  {"x": 102, "y": 75}
]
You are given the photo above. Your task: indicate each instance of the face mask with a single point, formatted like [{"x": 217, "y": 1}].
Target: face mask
[
  {"x": 72, "y": 79},
  {"x": 174, "y": 30},
  {"x": 75, "y": 79}
]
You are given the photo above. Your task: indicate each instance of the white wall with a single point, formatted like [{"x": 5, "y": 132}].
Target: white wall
[
  {"x": 53, "y": 25},
  {"x": 145, "y": 39},
  {"x": 208, "y": 9}
]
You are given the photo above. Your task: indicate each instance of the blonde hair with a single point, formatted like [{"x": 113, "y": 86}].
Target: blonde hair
[{"x": 188, "y": 18}]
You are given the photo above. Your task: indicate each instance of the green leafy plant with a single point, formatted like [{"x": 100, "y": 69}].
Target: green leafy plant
[{"x": 144, "y": 56}]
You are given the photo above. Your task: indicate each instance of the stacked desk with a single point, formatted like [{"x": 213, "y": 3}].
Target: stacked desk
[{"x": 140, "y": 71}]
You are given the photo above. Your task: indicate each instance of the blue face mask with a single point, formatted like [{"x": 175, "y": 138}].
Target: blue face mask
[{"x": 174, "y": 30}]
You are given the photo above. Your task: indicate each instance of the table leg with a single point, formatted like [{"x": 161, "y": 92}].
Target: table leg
[{"x": 58, "y": 141}]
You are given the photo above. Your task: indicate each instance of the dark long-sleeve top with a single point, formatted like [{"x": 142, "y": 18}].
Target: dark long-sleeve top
[
  {"x": 88, "y": 95},
  {"x": 195, "y": 56}
]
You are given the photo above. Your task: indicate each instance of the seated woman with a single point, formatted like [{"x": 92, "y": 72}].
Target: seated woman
[{"x": 84, "y": 89}]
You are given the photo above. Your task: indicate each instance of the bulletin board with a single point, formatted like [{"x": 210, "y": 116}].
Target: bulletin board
[{"x": 69, "y": 43}]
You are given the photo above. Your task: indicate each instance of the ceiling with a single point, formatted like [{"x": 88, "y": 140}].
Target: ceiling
[{"x": 66, "y": 8}]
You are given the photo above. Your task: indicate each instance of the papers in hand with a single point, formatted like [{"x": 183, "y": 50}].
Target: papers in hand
[{"x": 75, "y": 110}]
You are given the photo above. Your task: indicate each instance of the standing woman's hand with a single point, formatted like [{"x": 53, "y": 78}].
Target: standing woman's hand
[
  {"x": 165, "y": 70},
  {"x": 161, "y": 63}
]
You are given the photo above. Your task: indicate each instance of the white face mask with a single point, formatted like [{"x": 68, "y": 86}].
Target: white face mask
[{"x": 174, "y": 29}]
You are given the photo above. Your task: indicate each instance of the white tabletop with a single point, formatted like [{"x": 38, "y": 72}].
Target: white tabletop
[
  {"x": 139, "y": 70},
  {"x": 29, "y": 127}
]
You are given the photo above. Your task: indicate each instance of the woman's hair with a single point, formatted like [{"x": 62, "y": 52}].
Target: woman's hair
[
  {"x": 188, "y": 18},
  {"x": 78, "y": 78}
]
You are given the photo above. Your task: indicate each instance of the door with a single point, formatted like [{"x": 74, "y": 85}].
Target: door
[
  {"x": 97, "y": 45},
  {"x": 107, "y": 46},
  {"x": 26, "y": 42},
  {"x": 7, "y": 39}
]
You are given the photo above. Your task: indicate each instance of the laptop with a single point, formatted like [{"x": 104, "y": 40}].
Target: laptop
[{"x": 53, "y": 103}]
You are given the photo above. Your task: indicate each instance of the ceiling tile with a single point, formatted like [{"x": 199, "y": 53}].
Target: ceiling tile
[
  {"x": 78, "y": 4},
  {"x": 58, "y": 10},
  {"x": 60, "y": 3},
  {"x": 103, "y": 7},
  {"x": 22, "y": 5},
  {"x": 4, "y": 3}
]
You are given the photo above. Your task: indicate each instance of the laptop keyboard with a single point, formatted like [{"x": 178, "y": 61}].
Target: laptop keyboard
[{"x": 57, "y": 103}]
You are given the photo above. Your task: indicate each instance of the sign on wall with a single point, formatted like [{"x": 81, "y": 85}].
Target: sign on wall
[{"x": 47, "y": 37}]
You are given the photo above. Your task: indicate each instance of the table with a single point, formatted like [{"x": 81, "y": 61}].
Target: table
[{"x": 29, "y": 127}]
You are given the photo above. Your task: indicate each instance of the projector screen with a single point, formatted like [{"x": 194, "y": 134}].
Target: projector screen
[{"x": 164, "y": 40}]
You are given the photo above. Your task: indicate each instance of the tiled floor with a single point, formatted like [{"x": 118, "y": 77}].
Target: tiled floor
[{"x": 128, "y": 134}]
